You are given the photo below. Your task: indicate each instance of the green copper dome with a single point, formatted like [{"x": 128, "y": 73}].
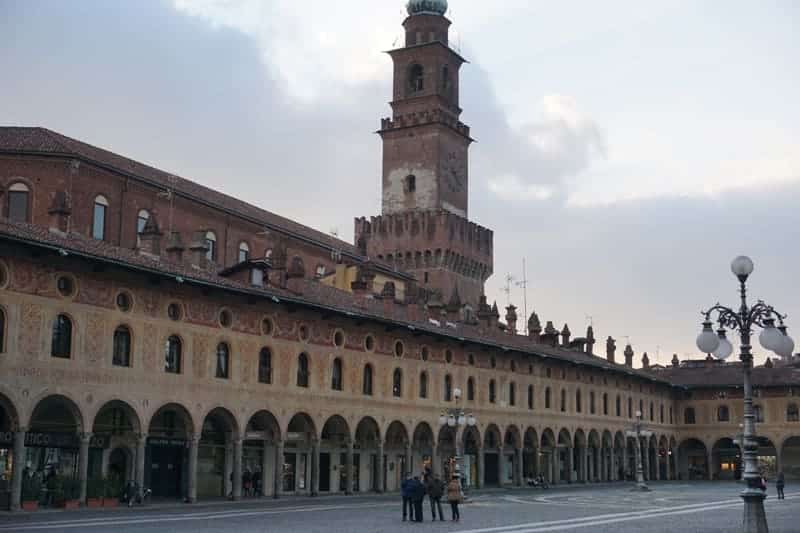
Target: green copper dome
[{"x": 429, "y": 7}]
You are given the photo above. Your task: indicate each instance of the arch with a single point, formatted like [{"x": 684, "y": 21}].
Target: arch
[
  {"x": 790, "y": 457},
  {"x": 335, "y": 432},
  {"x": 224, "y": 420},
  {"x": 164, "y": 421},
  {"x": 564, "y": 438},
  {"x": 726, "y": 459},
  {"x": 548, "y": 438},
  {"x": 471, "y": 440},
  {"x": 530, "y": 440},
  {"x": 9, "y": 416},
  {"x": 368, "y": 433},
  {"x": 396, "y": 435},
  {"x": 492, "y": 437},
  {"x": 115, "y": 417},
  {"x": 512, "y": 437},
  {"x": 693, "y": 457},
  {"x": 263, "y": 421},
  {"x": 301, "y": 427},
  {"x": 56, "y": 413},
  {"x": 423, "y": 438}
]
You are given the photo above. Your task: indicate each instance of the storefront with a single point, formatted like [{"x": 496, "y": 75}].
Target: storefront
[{"x": 164, "y": 470}]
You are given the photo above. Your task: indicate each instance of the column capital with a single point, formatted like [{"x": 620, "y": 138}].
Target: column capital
[
  {"x": 85, "y": 437},
  {"x": 20, "y": 429},
  {"x": 195, "y": 438}
]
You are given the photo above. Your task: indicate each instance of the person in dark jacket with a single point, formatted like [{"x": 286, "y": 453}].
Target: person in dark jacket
[
  {"x": 780, "y": 482},
  {"x": 405, "y": 492},
  {"x": 435, "y": 489},
  {"x": 417, "y": 495}
]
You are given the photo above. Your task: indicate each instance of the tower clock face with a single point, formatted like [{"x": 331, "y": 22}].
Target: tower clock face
[{"x": 453, "y": 173}]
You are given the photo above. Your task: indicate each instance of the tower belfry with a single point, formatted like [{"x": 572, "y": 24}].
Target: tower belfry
[{"x": 423, "y": 228}]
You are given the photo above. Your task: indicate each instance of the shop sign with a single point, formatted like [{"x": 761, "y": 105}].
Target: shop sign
[
  {"x": 158, "y": 441},
  {"x": 53, "y": 440}
]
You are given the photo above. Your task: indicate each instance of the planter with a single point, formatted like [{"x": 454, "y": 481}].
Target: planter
[
  {"x": 94, "y": 502},
  {"x": 69, "y": 504},
  {"x": 110, "y": 502},
  {"x": 30, "y": 506}
]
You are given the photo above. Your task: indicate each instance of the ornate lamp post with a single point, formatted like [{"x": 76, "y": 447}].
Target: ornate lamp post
[
  {"x": 771, "y": 338},
  {"x": 456, "y": 417},
  {"x": 637, "y": 432}
]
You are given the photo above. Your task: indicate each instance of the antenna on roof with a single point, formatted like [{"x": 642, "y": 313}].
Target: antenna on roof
[
  {"x": 169, "y": 195},
  {"x": 336, "y": 252},
  {"x": 507, "y": 288},
  {"x": 524, "y": 285},
  {"x": 590, "y": 320}
]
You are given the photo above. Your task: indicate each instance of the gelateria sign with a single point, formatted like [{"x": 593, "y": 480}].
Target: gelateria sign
[{"x": 53, "y": 440}]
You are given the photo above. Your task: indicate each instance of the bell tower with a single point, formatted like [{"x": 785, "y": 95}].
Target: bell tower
[{"x": 423, "y": 228}]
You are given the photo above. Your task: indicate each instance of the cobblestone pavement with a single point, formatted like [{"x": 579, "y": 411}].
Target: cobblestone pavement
[{"x": 670, "y": 507}]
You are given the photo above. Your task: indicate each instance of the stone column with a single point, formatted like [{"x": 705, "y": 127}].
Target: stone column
[
  {"x": 436, "y": 463},
  {"x": 141, "y": 453},
  {"x": 379, "y": 461},
  {"x": 227, "y": 483},
  {"x": 277, "y": 478},
  {"x": 481, "y": 466},
  {"x": 583, "y": 476},
  {"x": 501, "y": 458},
  {"x": 614, "y": 469},
  {"x": 315, "y": 468},
  {"x": 710, "y": 464},
  {"x": 19, "y": 466},
  {"x": 520, "y": 473},
  {"x": 668, "y": 459},
  {"x": 83, "y": 465},
  {"x": 237, "y": 469},
  {"x": 624, "y": 459},
  {"x": 409, "y": 461},
  {"x": 194, "y": 448},
  {"x": 570, "y": 458},
  {"x": 264, "y": 465},
  {"x": 349, "y": 469}
]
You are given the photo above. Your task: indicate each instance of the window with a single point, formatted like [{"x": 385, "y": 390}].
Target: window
[
  {"x": 792, "y": 413},
  {"x": 512, "y": 394},
  {"x": 411, "y": 183},
  {"x": 321, "y": 271},
  {"x": 141, "y": 221},
  {"x": 423, "y": 385},
  {"x": 265, "y": 366},
  {"x": 225, "y": 318},
  {"x": 2, "y": 330},
  {"x": 172, "y": 355},
  {"x": 661, "y": 413},
  {"x": 211, "y": 246},
  {"x": 267, "y": 327},
  {"x": 416, "y": 79},
  {"x": 302, "y": 370},
  {"x": 448, "y": 356},
  {"x": 257, "y": 277},
  {"x": 268, "y": 253},
  {"x": 547, "y": 398},
  {"x": 591, "y": 403},
  {"x": 369, "y": 343},
  {"x": 65, "y": 285},
  {"x": 366, "y": 385},
  {"x": 641, "y": 406},
  {"x": 424, "y": 353},
  {"x": 530, "y": 396},
  {"x": 493, "y": 362},
  {"x": 688, "y": 416},
  {"x": 618, "y": 406},
  {"x": 758, "y": 412},
  {"x": 652, "y": 412},
  {"x": 471, "y": 390},
  {"x": 471, "y": 359},
  {"x": 122, "y": 347},
  {"x": 338, "y": 339},
  {"x": 244, "y": 252},
  {"x": 578, "y": 405},
  {"x": 18, "y": 201},
  {"x": 723, "y": 414},
  {"x": 548, "y": 372},
  {"x": 445, "y": 77},
  {"x": 124, "y": 301},
  {"x": 223, "y": 361},
  {"x": 336, "y": 375},
  {"x": 605, "y": 404},
  {"x": 175, "y": 311},
  {"x": 670, "y": 415},
  {"x": 448, "y": 388},
  {"x": 513, "y": 366},
  {"x": 397, "y": 383},
  {"x": 492, "y": 391},
  {"x": 62, "y": 337},
  {"x": 398, "y": 349},
  {"x": 99, "y": 218},
  {"x": 630, "y": 407}
]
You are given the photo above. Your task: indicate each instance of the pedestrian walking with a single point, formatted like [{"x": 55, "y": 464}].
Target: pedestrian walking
[
  {"x": 417, "y": 495},
  {"x": 405, "y": 492},
  {"x": 780, "y": 482},
  {"x": 247, "y": 480},
  {"x": 454, "y": 496},
  {"x": 435, "y": 488}
]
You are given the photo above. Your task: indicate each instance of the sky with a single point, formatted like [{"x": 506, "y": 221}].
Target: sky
[{"x": 627, "y": 150}]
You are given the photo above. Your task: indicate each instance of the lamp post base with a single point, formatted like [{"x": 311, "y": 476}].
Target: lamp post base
[{"x": 755, "y": 519}]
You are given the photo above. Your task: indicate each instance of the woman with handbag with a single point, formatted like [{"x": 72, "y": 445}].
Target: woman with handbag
[{"x": 454, "y": 497}]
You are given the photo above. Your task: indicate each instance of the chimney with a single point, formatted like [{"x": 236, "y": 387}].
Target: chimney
[
  {"x": 629, "y": 356},
  {"x": 150, "y": 238},
  {"x": 198, "y": 249},
  {"x": 550, "y": 335},
  {"x": 175, "y": 247},
  {"x": 611, "y": 348},
  {"x": 60, "y": 211},
  {"x": 590, "y": 340},
  {"x": 534, "y": 328},
  {"x": 675, "y": 361},
  {"x": 511, "y": 319},
  {"x": 484, "y": 312},
  {"x": 454, "y": 306},
  {"x": 565, "y": 334},
  {"x": 645, "y": 361},
  {"x": 495, "y": 316}
]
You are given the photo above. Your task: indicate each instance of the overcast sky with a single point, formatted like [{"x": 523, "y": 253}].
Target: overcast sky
[{"x": 628, "y": 150}]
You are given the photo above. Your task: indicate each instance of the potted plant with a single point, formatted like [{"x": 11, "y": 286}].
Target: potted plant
[
  {"x": 113, "y": 491},
  {"x": 71, "y": 492},
  {"x": 95, "y": 488},
  {"x": 31, "y": 491}
]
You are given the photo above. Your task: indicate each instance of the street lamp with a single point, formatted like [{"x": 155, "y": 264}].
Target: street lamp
[
  {"x": 637, "y": 432},
  {"x": 772, "y": 338},
  {"x": 455, "y": 416}
]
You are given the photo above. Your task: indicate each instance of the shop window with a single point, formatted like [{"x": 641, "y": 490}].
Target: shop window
[
  {"x": 792, "y": 413},
  {"x": 99, "y": 218},
  {"x": 423, "y": 385},
  {"x": 173, "y": 354},
  {"x": 547, "y": 399},
  {"x": 141, "y": 221},
  {"x": 448, "y": 388},
  {"x": 62, "y": 337},
  {"x": 530, "y": 397},
  {"x": 302, "y": 370},
  {"x": 689, "y": 416},
  {"x": 492, "y": 391},
  {"x": 336, "y": 375},
  {"x": 265, "y": 366},
  {"x": 223, "y": 361},
  {"x": 211, "y": 246},
  {"x": 18, "y": 203},
  {"x": 397, "y": 383},
  {"x": 244, "y": 252},
  {"x": 512, "y": 394},
  {"x": 366, "y": 386},
  {"x": 122, "y": 347}
]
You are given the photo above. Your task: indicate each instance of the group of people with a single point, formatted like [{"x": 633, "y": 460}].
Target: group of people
[
  {"x": 414, "y": 490},
  {"x": 251, "y": 483},
  {"x": 780, "y": 483}
]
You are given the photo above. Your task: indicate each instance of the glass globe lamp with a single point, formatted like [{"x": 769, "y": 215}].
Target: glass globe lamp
[
  {"x": 770, "y": 338},
  {"x": 742, "y": 267},
  {"x": 725, "y": 348},
  {"x": 707, "y": 341}
]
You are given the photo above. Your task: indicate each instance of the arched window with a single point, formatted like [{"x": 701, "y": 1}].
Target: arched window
[
  {"x": 268, "y": 253},
  {"x": 397, "y": 383},
  {"x": 547, "y": 401},
  {"x": 62, "y": 337},
  {"x": 2, "y": 330},
  {"x": 302, "y": 370},
  {"x": 512, "y": 394},
  {"x": 18, "y": 202},
  {"x": 530, "y": 396},
  {"x": 670, "y": 415},
  {"x": 630, "y": 407},
  {"x": 122, "y": 347},
  {"x": 244, "y": 252},
  {"x": 688, "y": 415},
  {"x": 661, "y": 413},
  {"x": 265, "y": 366},
  {"x": 416, "y": 78},
  {"x": 652, "y": 412},
  {"x": 423, "y": 385},
  {"x": 445, "y": 77},
  {"x": 141, "y": 221},
  {"x": 366, "y": 386},
  {"x": 605, "y": 404},
  {"x": 223, "y": 361},
  {"x": 618, "y": 406},
  {"x": 172, "y": 355},
  {"x": 792, "y": 413},
  {"x": 563, "y": 401},
  {"x": 591, "y": 403},
  {"x": 471, "y": 390},
  {"x": 336, "y": 375},
  {"x": 211, "y": 246},
  {"x": 723, "y": 414},
  {"x": 641, "y": 406},
  {"x": 448, "y": 388},
  {"x": 492, "y": 391},
  {"x": 99, "y": 217}
]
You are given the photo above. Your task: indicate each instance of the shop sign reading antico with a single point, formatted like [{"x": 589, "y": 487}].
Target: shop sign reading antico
[{"x": 53, "y": 440}]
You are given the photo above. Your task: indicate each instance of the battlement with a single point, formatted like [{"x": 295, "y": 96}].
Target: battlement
[{"x": 419, "y": 118}]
